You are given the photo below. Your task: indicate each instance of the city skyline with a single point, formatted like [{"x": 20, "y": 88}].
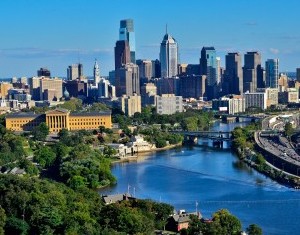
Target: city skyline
[{"x": 84, "y": 30}]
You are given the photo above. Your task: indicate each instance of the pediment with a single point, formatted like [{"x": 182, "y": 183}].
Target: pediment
[{"x": 57, "y": 111}]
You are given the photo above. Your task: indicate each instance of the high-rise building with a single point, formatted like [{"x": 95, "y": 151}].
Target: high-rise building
[
  {"x": 167, "y": 86},
  {"x": 96, "y": 73},
  {"x": 255, "y": 100},
  {"x": 4, "y": 88},
  {"x": 126, "y": 33},
  {"x": 272, "y": 95},
  {"x": 145, "y": 69},
  {"x": 128, "y": 82},
  {"x": 233, "y": 74},
  {"x": 148, "y": 94},
  {"x": 122, "y": 54},
  {"x": 208, "y": 67},
  {"x": 75, "y": 71},
  {"x": 168, "y": 56},
  {"x": 51, "y": 89},
  {"x": 253, "y": 73},
  {"x": 105, "y": 89},
  {"x": 43, "y": 72},
  {"x": 34, "y": 86},
  {"x": 156, "y": 69},
  {"x": 272, "y": 74},
  {"x": 192, "y": 86},
  {"x": 298, "y": 74}
]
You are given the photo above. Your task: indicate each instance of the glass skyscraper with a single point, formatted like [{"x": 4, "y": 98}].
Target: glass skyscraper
[
  {"x": 168, "y": 56},
  {"x": 272, "y": 74},
  {"x": 126, "y": 33},
  {"x": 208, "y": 67}
]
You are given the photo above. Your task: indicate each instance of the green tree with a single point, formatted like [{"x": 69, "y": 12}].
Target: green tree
[
  {"x": 16, "y": 226},
  {"x": 224, "y": 223},
  {"x": 2, "y": 220},
  {"x": 254, "y": 229},
  {"x": 40, "y": 132},
  {"x": 73, "y": 104},
  {"x": 288, "y": 129},
  {"x": 45, "y": 156}
]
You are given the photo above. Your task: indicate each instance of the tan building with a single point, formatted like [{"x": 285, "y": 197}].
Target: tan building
[
  {"x": 182, "y": 68},
  {"x": 54, "y": 87},
  {"x": 131, "y": 104},
  {"x": 272, "y": 95},
  {"x": 283, "y": 82},
  {"x": 58, "y": 119},
  {"x": 4, "y": 87},
  {"x": 291, "y": 95}
]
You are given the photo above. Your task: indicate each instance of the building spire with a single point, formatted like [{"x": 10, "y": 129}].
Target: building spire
[{"x": 166, "y": 28}]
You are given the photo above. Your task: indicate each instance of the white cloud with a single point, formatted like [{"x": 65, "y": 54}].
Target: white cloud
[{"x": 274, "y": 51}]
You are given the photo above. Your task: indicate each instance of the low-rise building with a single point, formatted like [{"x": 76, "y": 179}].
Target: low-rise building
[
  {"x": 57, "y": 120},
  {"x": 131, "y": 104},
  {"x": 290, "y": 95},
  {"x": 231, "y": 104}
]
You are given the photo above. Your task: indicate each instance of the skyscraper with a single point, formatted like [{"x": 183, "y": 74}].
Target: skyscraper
[
  {"x": 122, "y": 54},
  {"x": 168, "y": 56},
  {"x": 145, "y": 69},
  {"x": 298, "y": 74},
  {"x": 43, "y": 72},
  {"x": 74, "y": 71},
  {"x": 96, "y": 73},
  {"x": 233, "y": 74},
  {"x": 252, "y": 72},
  {"x": 129, "y": 82},
  {"x": 208, "y": 67},
  {"x": 126, "y": 33},
  {"x": 272, "y": 74}
]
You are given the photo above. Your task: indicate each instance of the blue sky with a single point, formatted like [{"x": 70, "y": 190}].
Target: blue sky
[{"x": 57, "y": 33}]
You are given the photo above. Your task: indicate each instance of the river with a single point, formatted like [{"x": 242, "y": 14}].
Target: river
[{"x": 215, "y": 179}]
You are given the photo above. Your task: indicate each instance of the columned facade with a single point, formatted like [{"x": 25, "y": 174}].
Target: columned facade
[{"x": 57, "y": 119}]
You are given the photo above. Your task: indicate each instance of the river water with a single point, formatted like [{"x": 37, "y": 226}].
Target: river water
[{"x": 215, "y": 179}]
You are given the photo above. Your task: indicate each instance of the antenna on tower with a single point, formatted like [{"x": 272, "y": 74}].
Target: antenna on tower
[{"x": 166, "y": 28}]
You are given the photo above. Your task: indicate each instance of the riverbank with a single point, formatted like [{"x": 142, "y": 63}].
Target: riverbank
[
  {"x": 144, "y": 153},
  {"x": 248, "y": 150}
]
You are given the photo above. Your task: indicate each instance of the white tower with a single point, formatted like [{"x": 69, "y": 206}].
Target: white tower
[
  {"x": 168, "y": 56},
  {"x": 96, "y": 73}
]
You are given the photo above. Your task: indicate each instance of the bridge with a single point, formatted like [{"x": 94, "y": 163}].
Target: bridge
[
  {"x": 238, "y": 116},
  {"x": 215, "y": 135}
]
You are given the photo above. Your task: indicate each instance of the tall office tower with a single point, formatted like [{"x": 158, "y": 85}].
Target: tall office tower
[
  {"x": 253, "y": 73},
  {"x": 168, "y": 56},
  {"x": 298, "y": 74},
  {"x": 233, "y": 78},
  {"x": 272, "y": 74},
  {"x": 122, "y": 54},
  {"x": 208, "y": 67},
  {"x": 43, "y": 72},
  {"x": 145, "y": 69},
  {"x": 156, "y": 69},
  {"x": 75, "y": 71},
  {"x": 129, "y": 82},
  {"x": 96, "y": 73},
  {"x": 219, "y": 72},
  {"x": 126, "y": 33}
]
